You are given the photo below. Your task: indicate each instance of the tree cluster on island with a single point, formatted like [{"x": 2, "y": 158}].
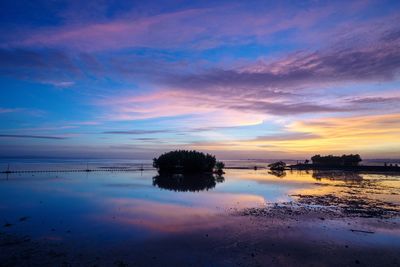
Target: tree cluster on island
[
  {"x": 318, "y": 160},
  {"x": 277, "y": 166},
  {"x": 185, "y": 161},
  {"x": 330, "y": 160}
]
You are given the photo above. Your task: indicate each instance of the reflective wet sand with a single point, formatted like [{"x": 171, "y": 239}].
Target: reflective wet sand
[{"x": 248, "y": 218}]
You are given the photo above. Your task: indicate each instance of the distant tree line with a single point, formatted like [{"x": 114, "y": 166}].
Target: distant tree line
[
  {"x": 344, "y": 160},
  {"x": 185, "y": 161}
]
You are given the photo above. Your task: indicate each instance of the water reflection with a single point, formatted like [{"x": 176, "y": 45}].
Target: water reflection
[
  {"x": 118, "y": 205},
  {"x": 337, "y": 176},
  {"x": 277, "y": 173},
  {"x": 187, "y": 182}
]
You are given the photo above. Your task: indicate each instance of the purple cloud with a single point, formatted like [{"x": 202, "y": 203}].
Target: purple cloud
[
  {"x": 375, "y": 100},
  {"x": 44, "y": 59},
  {"x": 45, "y": 66},
  {"x": 137, "y": 132},
  {"x": 279, "y": 108},
  {"x": 201, "y": 26},
  {"x": 33, "y": 136},
  {"x": 380, "y": 62},
  {"x": 180, "y": 27}
]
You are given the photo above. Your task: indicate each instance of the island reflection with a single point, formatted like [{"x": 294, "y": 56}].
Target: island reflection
[
  {"x": 277, "y": 173},
  {"x": 187, "y": 182},
  {"x": 344, "y": 176}
]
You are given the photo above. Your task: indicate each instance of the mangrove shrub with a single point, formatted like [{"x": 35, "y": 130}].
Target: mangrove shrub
[
  {"x": 277, "y": 166},
  {"x": 184, "y": 161}
]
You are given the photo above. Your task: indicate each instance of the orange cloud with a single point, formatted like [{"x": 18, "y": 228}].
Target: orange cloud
[{"x": 376, "y": 135}]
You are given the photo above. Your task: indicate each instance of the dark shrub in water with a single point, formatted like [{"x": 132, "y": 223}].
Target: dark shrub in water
[
  {"x": 184, "y": 161},
  {"x": 277, "y": 166}
]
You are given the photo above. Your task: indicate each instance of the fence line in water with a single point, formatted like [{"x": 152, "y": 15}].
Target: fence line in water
[{"x": 74, "y": 170}]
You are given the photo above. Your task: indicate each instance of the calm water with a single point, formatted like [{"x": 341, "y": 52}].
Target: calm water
[
  {"x": 107, "y": 207},
  {"x": 69, "y": 164}
]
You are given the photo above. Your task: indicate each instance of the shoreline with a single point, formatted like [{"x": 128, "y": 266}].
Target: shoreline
[{"x": 360, "y": 168}]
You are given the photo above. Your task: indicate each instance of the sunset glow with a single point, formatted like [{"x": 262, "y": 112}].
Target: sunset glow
[{"x": 258, "y": 79}]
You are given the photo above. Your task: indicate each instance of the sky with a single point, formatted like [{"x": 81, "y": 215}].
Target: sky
[{"x": 240, "y": 79}]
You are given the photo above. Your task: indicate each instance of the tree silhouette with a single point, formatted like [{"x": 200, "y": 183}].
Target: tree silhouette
[
  {"x": 277, "y": 166},
  {"x": 184, "y": 161},
  {"x": 330, "y": 160}
]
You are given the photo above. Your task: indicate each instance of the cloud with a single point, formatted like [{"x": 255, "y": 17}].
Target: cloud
[
  {"x": 375, "y": 135},
  {"x": 202, "y": 27},
  {"x": 337, "y": 61},
  {"x": 206, "y": 129},
  {"x": 148, "y": 139},
  {"x": 9, "y": 110},
  {"x": 194, "y": 26},
  {"x": 36, "y": 58},
  {"x": 85, "y": 123},
  {"x": 191, "y": 109},
  {"x": 137, "y": 132},
  {"x": 59, "y": 84},
  {"x": 183, "y": 110},
  {"x": 199, "y": 70},
  {"x": 281, "y": 108},
  {"x": 358, "y": 133},
  {"x": 49, "y": 66},
  {"x": 287, "y": 137},
  {"x": 23, "y": 111},
  {"x": 282, "y": 86},
  {"x": 380, "y": 62},
  {"x": 122, "y": 33},
  {"x": 375, "y": 100},
  {"x": 33, "y": 136}
]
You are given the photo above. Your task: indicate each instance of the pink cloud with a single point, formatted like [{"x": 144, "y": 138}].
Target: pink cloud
[
  {"x": 196, "y": 28},
  {"x": 59, "y": 84},
  {"x": 115, "y": 34},
  {"x": 169, "y": 103}
]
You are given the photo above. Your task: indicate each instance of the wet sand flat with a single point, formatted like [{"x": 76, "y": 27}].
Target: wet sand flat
[{"x": 300, "y": 240}]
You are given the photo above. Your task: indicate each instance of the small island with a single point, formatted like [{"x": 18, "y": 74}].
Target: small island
[
  {"x": 345, "y": 162},
  {"x": 277, "y": 166},
  {"x": 187, "y": 162},
  {"x": 184, "y": 171}
]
